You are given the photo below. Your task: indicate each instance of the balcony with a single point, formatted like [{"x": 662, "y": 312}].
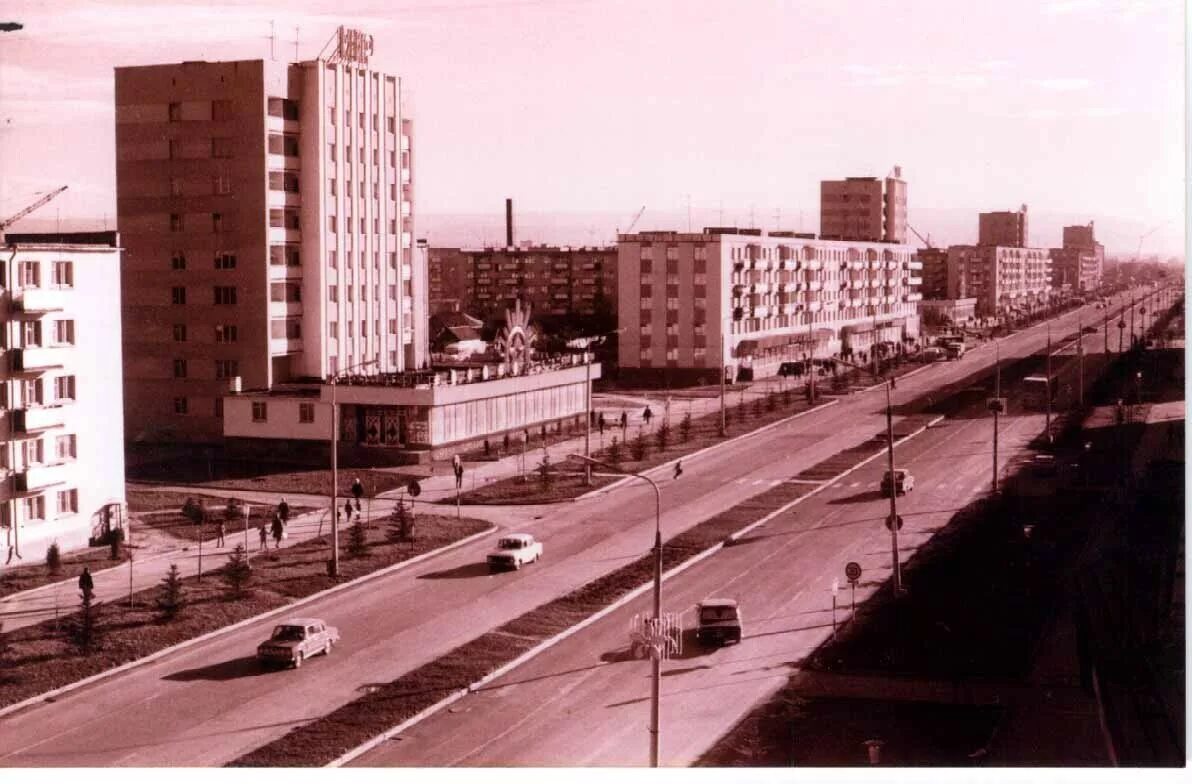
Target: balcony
[
  {"x": 815, "y": 285},
  {"x": 277, "y": 162},
  {"x": 912, "y": 297},
  {"x": 279, "y": 235},
  {"x": 280, "y": 125},
  {"x": 283, "y": 309},
  {"x": 283, "y": 346},
  {"x": 912, "y": 281},
  {"x": 281, "y": 199},
  {"x": 36, "y": 419},
  {"x": 288, "y": 271},
  {"x": 761, "y": 311},
  {"x": 36, "y": 478},
  {"x": 34, "y": 360},
  {"x": 35, "y": 302}
]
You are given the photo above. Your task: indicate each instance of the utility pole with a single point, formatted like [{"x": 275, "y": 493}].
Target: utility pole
[
  {"x": 1049, "y": 384},
  {"x": 997, "y": 393},
  {"x": 588, "y": 417},
  {"x": 1080, "y": 359}
]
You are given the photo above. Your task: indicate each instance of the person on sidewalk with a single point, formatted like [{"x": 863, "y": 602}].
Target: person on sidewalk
[
  {"x": 86, "y": 584},
  {"x": 357, "y": 490},
  {"x": 457, "y": 466},
  {"x": 647, "y": 415},
  {"x": 264, "y": 534},
  {"x": 283, "y": 511},
  {"x": 278, "y": 530},
  {"x": 348, "y": 511},
  {"x": 220, "y": 530},
  {"x": 624, "y": 421}
]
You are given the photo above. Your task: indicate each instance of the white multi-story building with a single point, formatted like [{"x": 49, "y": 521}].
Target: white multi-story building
[
  {"x": 61, "y": 410},
  {"x": 689, "y": 303},
  {"x": 267, "y": 215}
]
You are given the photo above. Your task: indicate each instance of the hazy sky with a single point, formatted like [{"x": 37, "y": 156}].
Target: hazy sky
[{"x": 1073, "y": 106}]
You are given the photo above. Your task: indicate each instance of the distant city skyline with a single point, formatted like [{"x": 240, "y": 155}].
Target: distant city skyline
[{"x": 601, "y": 107}]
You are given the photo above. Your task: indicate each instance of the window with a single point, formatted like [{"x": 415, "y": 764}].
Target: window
[
  {"x": 225, "y": 333},
  {"x": 306, "y": 413},
  {"x": 331, "y": 152},
  {"x": 227, "y": 368},
  {"x": 65, "y": 447},
  {"x": 34, "y": 508},
  {"x": 179, "y": 405},
  {"x": 175, "y": 222},
  {"x": 260, "y": 411},
  {"x": 219, "y": 408},
  {"x": 178, "y": 295},
  {"x": 221, "y": 185},
  {"x": 331, "y": 224},
  {"x": 333, "y": 330},
  {"x": 221, "y": 148},
  {"x": 333, "y": 293},
  {"x": 179, "y": 368},
  {"x": 175, "y": 112},
  {"x": 64, "y": 388},
  {"x": 672, "y": 303},
  {"x": 178, "y": 261},
  {"x": 331, "y": 260},
  {"x": 331, "y": 187},
  {"x": 393, "y": 260},
  {"x": 179, "y": 333},
  {"x": 31, "y": 334},
  {"x": 63, "y": 274},
  {"x": 64, "y": 332},
  {"x": 33, "y": 453},
  {"x": 30, "y": 274},
  {"x": 390, "y": 125},
  {"x": 392, "y": 291},
  {"x": 31, "y": 393},
  {"x": 225, "y": 260},
  {"x": 225, "y": 295},
  {"x": 68, "y": 502},
  {"x": 216, "y": 222},
  {"x": 392, "y": 326}
]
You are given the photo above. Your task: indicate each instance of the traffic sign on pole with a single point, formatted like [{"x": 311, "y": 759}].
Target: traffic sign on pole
[
  {"x": 893, "y": 522},
  {"x": 997, "y": 404},
  {"x": 852, "y": 570}
]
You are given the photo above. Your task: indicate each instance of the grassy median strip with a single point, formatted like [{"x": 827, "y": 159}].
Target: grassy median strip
[
  {"x": 40, "y": 658},
  {"x": 329, "y": 737}
]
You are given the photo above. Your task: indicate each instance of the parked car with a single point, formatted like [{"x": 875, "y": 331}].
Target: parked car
[
  {"x": 954, "y": 350},
  {"x": 513, "y": 550},
  {"x": 794, "y": 369},
  {"x": 1089, "y": 330},
  {"x": 932, "y": 354},
  {"x": 297, "y": 639},
  {"x": 718, "y": 622},
  {"x": 902, "y": 482}
]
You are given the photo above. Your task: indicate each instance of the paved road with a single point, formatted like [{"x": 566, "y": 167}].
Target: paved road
[{"x": 398, "y": 622}]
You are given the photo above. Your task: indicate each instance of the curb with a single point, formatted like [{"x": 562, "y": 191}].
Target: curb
[
  {"x": 614, "y": 485},
  {"x": 427, "y": 712},
  {"x": 54, "y": 693}
]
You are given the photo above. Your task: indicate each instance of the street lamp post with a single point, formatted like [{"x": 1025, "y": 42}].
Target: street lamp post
[
  {"x": 1047, "y": 397},
  {"x": 656, "y": 664},
  {"x": 997, "y": 394},
  {"x": 335, "y": 465},
  {"x": 893, "y": 520}
]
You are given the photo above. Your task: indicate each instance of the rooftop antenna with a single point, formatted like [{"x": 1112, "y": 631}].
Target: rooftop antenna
[
  {"x": 272, "y": 39},
  {"x": 296, "y": 39}
]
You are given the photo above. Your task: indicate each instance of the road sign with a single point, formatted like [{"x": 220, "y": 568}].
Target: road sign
[
  {"x": 997, "y": 404},
  {"x": 891, "y": 523},
  {"x": 413, "y": 488},
  {"x": 1122, "y": 324},
  {"x": 852, "y": 570}
]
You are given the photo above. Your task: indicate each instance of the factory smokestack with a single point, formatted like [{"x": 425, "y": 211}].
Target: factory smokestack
[{"x": 509, "y": 223}]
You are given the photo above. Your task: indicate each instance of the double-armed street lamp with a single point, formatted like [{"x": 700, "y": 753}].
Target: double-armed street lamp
[
  {"x": 656, "y": 664},
  {"x": 335, "y": 463}
]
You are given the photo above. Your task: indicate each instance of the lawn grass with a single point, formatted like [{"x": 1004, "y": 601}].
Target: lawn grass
[
  {"x": 41, "y": 658},
  {"x": 16, "y": 578},
  {"x": 328, "y": 737},
  {"x": 178, "y": 526},
  {"x": 282, "y": 482}
]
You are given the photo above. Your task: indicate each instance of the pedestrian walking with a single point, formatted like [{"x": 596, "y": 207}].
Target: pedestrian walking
[
  {"x": 220, "y": 529},
  {"x": 600, "y": 423},
  {"x": 347, "y": 511},
  {"x": 624, "y": 421},
  {"x": 86, "y": 584},
  {"x": 457, "y": 465},
  {"x": 283, "y": 511},
  {"x": 647, "y": 415},
  {"x": 278, "y": 530},
  {"x": 357, "y": 489},
  {"x": 264, "y": 534}
]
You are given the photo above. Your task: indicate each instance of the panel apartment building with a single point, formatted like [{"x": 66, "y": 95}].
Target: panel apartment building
[
  {"x": 860, "y": 208},
  {"x": 555, "y": 281},
  {"x": 1077, "y": 266},
  {"x": 1006, "y": 276},
  {"x": 690, "y": 303},
  {"x": 60, "y": 401},
  {"x": 267, "y": 215}
]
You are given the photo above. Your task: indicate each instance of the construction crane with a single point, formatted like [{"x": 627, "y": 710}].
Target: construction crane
[
  {"x": 1138, "y": 253},
  {"x": 636, "y": 218},
  {"x": 43, "y": 201},
  {"x": 925, "y": 240}
]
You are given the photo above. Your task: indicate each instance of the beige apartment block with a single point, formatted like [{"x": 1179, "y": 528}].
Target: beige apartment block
[
  {"x": 1078, "y": 265},
  {"x": 61, "y": 413},
  {"x": 1007, "y": 282},
  {"x": 689, "y": 303},
  {"x": 1006, "y": 229},
  {"x": 864, "y": 209},
  {"x": 267, "y": 215}
]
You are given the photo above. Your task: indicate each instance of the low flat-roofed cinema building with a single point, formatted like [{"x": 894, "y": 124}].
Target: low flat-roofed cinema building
[
  {"x": 690, "y": 303},
  {"x": 267, "y": 212},
  {"x": 387, "y": 418},
  {"x": 61, "y": 410}
]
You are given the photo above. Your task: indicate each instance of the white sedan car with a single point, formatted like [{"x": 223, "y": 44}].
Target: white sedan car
[{"x": 513, "y": 550}]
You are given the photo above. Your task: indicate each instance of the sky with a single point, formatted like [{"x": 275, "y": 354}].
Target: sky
[{"x": 1070, "y": 106}]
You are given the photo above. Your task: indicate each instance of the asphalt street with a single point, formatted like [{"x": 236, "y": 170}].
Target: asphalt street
[{"x": 208, "y": 704}]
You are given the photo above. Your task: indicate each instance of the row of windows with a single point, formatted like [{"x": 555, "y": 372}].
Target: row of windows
[
  {"x": 333, "y": 327},
  {"x": 362, "y": 158},
  {"x": 699, "y": 252},
  {"x": 221, "y": 295},
  {"x": 333, "y": 225},
  {"x": 333, "y": 189},
  {"x": 224, "y": 260},
  {"x": 61, "y": 274},
  {"x": 220, "y": 147},
  {"x": 178, "y": 223},
  {"x": 306, "y": 412},
  {"x": 33, "y": 452},
  {"x": 32, "y": 391},
  {"x": 66, "y": 503},
  {"x": 220, "y": 111},
  {"x": 224, "y": 368},
  {"x": 224, "y": 333},
  {"x": 333, "y": 259},
  {"x": 62, "y": 333},
  {"x": 391, "y": 290}
]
